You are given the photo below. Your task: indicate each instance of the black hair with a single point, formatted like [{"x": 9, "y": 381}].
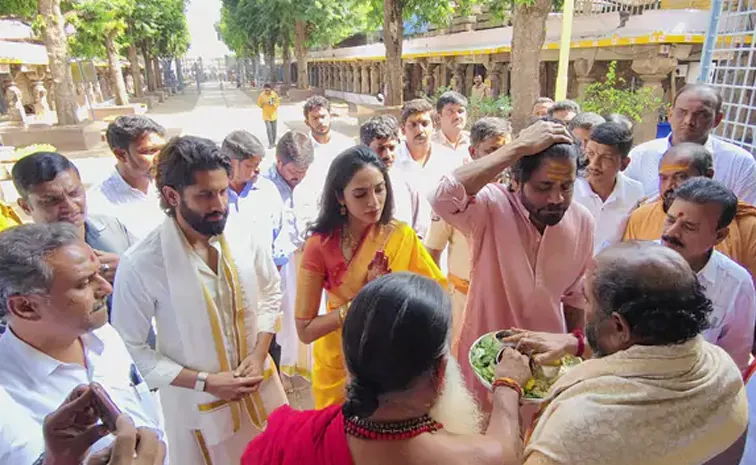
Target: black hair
[
  {"x": 488, "y": 127},
  {"x": 614, "y": 135},
  {"x": 413, "y": 107},
  {"x": 126, "y": 129},
  {"x": 526, "y": 166},
  {"x": 562, "y": 105},
  {"x": 701, "y": 87},
  {"x": 662, "y": 302},
  {"x": 315, "y": 102},
  {"x": 181, "y": 159},
  {"x": 379, "y": 127},
  {"x": 267, "y": 85},
  {"x": 701, "y": 190},
  {"x": 450, "y": 97},
  {"x": 586, "y": 120},
  {"x": 37, "y": 168},
  {"x": 342, "y": 170},
  {"x": 621, "y": 119},
  {"x": 241, "y": 145},
  {"x": 295, "y": 147},
  {"x": 396, "y": 330}
]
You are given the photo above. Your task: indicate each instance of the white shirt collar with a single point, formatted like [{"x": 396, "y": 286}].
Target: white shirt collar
[
  {"x": 619, "y": 192},
  {"x": 40, "y": 364},
  {"x": 710, "y": 270}
]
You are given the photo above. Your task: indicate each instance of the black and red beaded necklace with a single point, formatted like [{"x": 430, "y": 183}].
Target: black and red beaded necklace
[{"x": 361, "y": 428}]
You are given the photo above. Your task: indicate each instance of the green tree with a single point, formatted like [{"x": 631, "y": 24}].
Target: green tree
[
  {"x": 613, "y": 96},
  {"x": 100, "y": 29},
  {"x": 528, "y": 35},
  {"x": 23, "y": 8}
]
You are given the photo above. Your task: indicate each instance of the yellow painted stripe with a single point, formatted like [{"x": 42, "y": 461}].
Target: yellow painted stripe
[{"x": 614, "y": 41}]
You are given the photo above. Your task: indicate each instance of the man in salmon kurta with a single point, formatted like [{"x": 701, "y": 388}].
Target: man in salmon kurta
[
  {"x": 680, "y": 163},
  {"x": 529, "y": 243}
]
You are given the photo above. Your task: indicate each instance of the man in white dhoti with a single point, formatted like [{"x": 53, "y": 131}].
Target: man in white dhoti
[{"x": 215, "y": 297}]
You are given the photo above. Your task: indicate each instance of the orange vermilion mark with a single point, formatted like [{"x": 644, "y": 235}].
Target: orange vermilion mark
[
  {"x": 669, "y": 169},
  {"x": 559, "y": 171}
]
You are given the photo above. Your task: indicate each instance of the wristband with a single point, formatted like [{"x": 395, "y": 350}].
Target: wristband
[
  {"x": 199, "y": 385},
  {"x": 508, "y": 382},
  {"x": 581, "y": 342}
]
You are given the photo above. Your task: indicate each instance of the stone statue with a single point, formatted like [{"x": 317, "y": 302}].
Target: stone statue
[
  {"x": 15, "y": 105},
  {"x": 130, "y": 84},
  {"x": 81, "y": 95},
  {"x": 91, "y": 93},
  {"x": 41, "y": 107},
  {"x": 98, "y": 92}
]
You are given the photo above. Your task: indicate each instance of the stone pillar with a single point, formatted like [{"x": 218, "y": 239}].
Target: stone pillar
[
  {"x": 652, "y": 71},
  {"x": 342, "y": 77},
  {"x": 459, "y": 79},
  {"x": 375, "y": 78},
  {"x": 469, "y": 75},
  {"x": 495, "y": 72},
  {"x": 356, "y": 75},
  {"x": 365, "y": 71},
  {"x": 583, "y": 69},
  {"x": 428, "y": 81},
  {"x": 329, "y": 76}
]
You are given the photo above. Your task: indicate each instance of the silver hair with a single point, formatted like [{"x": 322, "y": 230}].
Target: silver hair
[
  {"x": 23, "y": 258},
  {"x": 488, "y": 127},
  {"x": 586, "y": 120}
]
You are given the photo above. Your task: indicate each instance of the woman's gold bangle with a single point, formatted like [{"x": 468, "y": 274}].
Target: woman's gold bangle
[{"x": 342, "y": 314}]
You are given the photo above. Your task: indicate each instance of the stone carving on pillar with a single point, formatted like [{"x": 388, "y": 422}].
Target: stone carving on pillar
[
  {"x": 365, "y": 71},
  {"x": 652, "y": 71},
  {"x": 342, "y": 78},
  {"x": 458, "y": 83},
  {"x": 91, "y": 95},
  {"x": 356, "y": 72},
  {"x": 14, "y": 103},
  {"x": 375, "y": 78},
  {"x": 129, "y": 84},
  {"x": 495, "y": 72},
  {"x": 583, "y": 69},
  {"x": 41, "y": 107}
]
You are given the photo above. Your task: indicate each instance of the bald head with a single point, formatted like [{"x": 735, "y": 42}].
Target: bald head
[
  {"x": 682, "y": 162},
  {"x": 652, "y": 290}
]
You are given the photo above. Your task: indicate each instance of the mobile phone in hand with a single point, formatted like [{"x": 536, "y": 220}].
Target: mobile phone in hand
[{"x": 107, "y": 410}]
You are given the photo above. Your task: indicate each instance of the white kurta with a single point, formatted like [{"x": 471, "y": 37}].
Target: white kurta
[{"x": 161, "y": 278}]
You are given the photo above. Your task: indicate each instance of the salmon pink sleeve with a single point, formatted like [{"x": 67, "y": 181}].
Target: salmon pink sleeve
[
  {"x": 454, "y": 205},
  {"x": 310, "y": 280}
]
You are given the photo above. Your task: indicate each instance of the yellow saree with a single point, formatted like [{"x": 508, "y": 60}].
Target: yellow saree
[{"x": 323, "y": 267}]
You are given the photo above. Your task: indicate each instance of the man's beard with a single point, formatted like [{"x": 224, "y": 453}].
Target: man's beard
[
  {"x": 548, "y": 216},
  {"x": 456, "y": 407},
  {"x": 592, "y": 335},
  {"x": 200, "y": 223}
]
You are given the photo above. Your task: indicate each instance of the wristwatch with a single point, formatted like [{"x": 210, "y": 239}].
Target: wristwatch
[{"x": 199, "y": 385}]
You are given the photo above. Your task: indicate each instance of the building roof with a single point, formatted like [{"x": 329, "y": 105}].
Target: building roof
[{"x": 590, "y": 31}]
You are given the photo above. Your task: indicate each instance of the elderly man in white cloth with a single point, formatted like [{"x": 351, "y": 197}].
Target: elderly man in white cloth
[{"x": 215, "y": 296}]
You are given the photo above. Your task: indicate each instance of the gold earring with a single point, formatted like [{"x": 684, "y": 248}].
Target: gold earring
[{"x": 342, "y": 210}]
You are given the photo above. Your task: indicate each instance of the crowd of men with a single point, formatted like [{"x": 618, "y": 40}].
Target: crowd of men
[{"x": 171, "y": 284}]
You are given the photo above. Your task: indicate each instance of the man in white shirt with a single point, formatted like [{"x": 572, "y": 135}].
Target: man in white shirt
[
  {"x": 129, "y": 193},
  {"x": 381, "y": 133},
  {"x": 487, "y": 136},
  {"x": 422, "y": 161},
  {"x": 582, "y": 124},
  {"x": 251, "y": 196},
  {"x": 452, "y": 117},
  {"x": 608, "y": 194},
  {"x": 696, "y": 111},
  {"x": 697, "y": 220},
  {"x": 58, "y": 333},
  {"x": 215, "y": 296},
  {"x": 327, "y": 144}
]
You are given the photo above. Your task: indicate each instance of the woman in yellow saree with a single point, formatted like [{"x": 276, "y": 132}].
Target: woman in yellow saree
[{"x": 354, "y": 240}]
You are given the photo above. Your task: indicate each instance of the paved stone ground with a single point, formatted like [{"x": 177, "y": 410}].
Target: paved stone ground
[{"x": 212, "y": 114}]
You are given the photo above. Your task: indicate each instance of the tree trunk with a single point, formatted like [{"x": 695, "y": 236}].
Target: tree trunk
[
  {"x": 270, "y": 60},
  {"x": 121, "y": 96},
  {"x": 393, "y": 34},
  {"x": 151, "y": 84},
  {"x": 136, "y": 73},
  {"x": 529, "y": 33},
  {"x": 57, "y": 53},
  {"x": 158, "y": 75},
  {"x": 286, "y": 56},
  {"x": 300, "y": 51}
]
